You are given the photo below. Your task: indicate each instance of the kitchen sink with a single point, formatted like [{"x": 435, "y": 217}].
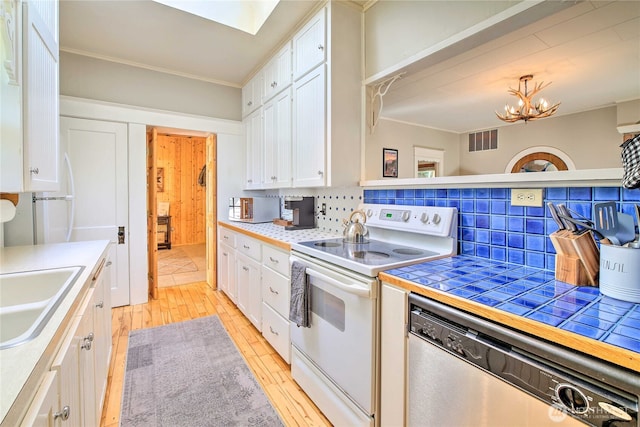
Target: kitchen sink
[{"x": 28, "y": 299}]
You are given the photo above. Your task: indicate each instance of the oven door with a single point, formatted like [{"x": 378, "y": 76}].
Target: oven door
[{"x": 341, "y": 341}]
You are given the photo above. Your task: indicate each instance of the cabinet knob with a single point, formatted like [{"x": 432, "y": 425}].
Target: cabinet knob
[
  {"x": 320, "y": 47},
  {"x": 100, "y": 304},
  {"x": 320, "y": 173},
  {"x": 245, "y": 268},
  {"x": 64, "y": 414},
  {"x": 34, "y": 171},
  {"x": 250, "y": 103}
]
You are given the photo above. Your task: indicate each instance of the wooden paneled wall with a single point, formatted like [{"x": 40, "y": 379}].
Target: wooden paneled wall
[{"x": 182, "y": 159}]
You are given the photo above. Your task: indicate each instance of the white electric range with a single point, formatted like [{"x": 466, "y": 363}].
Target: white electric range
[{"x": 335, "y": 360}]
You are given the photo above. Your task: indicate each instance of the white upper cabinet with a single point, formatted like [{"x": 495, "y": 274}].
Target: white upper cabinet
[
  {"x": 30, "y": 142},
  {"x": 310, "y": 45},
  {"x": 277, "y": 73},
  {"x": 277, "y": 141},
  {"x": 253, "y": 129},
  {"x": 252, "y": 95},
  {"x": 309, "y": 131}
]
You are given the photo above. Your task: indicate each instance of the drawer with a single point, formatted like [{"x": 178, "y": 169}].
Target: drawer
[
  {"x": 275, "y": 330},
  {"x": 227, "y": 237},
  {"x": 275, "y": 291},
  {"x": 248, "y": 246},
  {"x": 276, "y": 259}
]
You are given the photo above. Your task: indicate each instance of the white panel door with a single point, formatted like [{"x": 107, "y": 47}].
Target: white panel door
[{"x": 97, "y": 153}]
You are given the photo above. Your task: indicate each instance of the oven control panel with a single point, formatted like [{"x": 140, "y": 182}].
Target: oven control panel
[{"x": 433, "y": 220}]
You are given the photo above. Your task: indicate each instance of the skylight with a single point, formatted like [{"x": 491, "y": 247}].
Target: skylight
[{"x": 244, "y": 15}]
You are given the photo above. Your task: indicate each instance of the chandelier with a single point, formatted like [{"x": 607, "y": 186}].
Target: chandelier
[{"x": 527, "y": 109}]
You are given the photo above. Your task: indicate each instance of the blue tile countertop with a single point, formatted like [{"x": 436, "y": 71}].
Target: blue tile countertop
[{"x": 512, "y": 291}]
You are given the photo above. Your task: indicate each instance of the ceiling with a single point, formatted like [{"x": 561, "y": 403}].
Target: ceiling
[
  {"x": 151, "y": 35},
  {"x": 589, "y": 51}
]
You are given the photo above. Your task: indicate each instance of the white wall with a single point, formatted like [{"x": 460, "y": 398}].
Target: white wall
[
  {"x": 403, "y": 137},
  {"x": 397, "y": 30},
  {"x": 590, "y": 139},
  {"x": 90, "y": 78}
]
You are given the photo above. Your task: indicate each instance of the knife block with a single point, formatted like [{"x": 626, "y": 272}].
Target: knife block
[{"x": 577, "y": 258}]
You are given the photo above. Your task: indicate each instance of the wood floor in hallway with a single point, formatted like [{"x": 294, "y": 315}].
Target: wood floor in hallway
[{"x": 179, "y": 303}]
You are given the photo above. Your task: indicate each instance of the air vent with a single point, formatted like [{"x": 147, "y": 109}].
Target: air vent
[{"x": 482, "y": 141}]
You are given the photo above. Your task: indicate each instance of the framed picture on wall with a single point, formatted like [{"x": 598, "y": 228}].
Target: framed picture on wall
[
  {"x": 389, "y": 163},
  {"x": 160, "y": 180}
]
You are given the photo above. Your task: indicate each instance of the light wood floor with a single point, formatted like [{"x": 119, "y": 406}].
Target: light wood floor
[{"x": 195, "y": 300}]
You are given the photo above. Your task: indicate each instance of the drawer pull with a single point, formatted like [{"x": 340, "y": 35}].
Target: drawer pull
[
  {"x": 272, "y": 259},
  {"x": 246, "y": 247},
  {"x": 273, "y": 291},
  {"x": 64, "y": 414},
  {"x": 272, "y": 331},
  {"x": 245, "y": 268},
  {"x": 100, "y": 304}
]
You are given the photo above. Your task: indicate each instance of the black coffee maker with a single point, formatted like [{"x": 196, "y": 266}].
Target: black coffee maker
[{"x": 303, "y": 212}]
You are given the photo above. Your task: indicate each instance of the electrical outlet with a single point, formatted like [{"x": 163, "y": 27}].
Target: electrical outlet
[{"x": 526, "y": 197}]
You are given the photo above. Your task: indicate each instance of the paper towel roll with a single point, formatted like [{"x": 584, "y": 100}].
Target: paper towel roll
[{"x": 7, "y": 210}]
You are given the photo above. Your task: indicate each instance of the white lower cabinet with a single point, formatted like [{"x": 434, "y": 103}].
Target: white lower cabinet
[
  {"x": 71, "y": 393},
  {"x": 393, "y": 353},
  {"x": 249, "y": 296},
  {"x": 257, "y": 274},
  {"x": 275, "y": 300},
  {"x": 43, "y": 411},
  {"x": 227, "y": 262}
]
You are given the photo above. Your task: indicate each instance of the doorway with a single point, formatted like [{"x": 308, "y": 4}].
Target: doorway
[{"x": 181, "y": 204}]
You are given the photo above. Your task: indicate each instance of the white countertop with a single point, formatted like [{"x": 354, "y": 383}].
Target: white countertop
[
  {"x": 24, "y": 364},
  {"x": 278, "y": 232}
]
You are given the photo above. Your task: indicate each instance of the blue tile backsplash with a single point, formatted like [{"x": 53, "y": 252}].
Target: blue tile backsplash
[{"x": 489, "y": 227}]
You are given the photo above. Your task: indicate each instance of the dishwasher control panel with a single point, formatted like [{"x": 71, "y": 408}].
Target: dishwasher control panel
[{"x": 567, "y": 392}]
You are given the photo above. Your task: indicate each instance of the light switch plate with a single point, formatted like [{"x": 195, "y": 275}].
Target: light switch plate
[{"x": 526, "y": 197}]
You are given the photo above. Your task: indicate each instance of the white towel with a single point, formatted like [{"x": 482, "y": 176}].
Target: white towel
[{"x": 299, "y": 303}]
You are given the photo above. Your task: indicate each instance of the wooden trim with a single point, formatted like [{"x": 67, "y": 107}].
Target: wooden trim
[
  {"x": 601, "y": 350},
  {"x": 557, "y": 161},
  {"x": 12, "y": 197},
  {"x": 152, "y": 214}
]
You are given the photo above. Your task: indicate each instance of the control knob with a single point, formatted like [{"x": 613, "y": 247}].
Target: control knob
[
  {"x": 424, "y": 217},
  {"x": 406, "y": 215},
  {"x": 369, "y": 212},
  {"x": 436, "y": 218},
  {"x": 572, "y": 398}
]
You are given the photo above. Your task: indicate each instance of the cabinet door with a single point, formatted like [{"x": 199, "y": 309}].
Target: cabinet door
[
  {"x": 277, "y": 73},
  {"x": 252, "y": 95},
  {"x": 310, "y": 45},
  {"x": 309, "y": 130},
  {"x": 86, "y": 362},
  {"x": 249, "y": 295},
  {"x": 102, "y": 328},
  {"x": 277, "y": 141},
  {"x": 44, "y": 407},
  {"x": 253, "y": 128},
  {"x": 227, "y": 269},
  {"x": 41, "y": 115},
  {"x": 67, "y": 365}
]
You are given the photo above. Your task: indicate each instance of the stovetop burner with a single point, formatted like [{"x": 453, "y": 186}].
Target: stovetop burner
[{"x": 372, "y": 252}]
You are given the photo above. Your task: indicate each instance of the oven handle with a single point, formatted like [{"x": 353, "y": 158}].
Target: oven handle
[{"x": 352, "y": 289}]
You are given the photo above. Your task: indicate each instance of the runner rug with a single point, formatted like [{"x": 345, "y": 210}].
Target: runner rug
[{"x": 190, "y": 374}]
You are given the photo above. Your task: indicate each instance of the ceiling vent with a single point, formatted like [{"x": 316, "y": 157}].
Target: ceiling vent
[{"x": 482, "y": 141}]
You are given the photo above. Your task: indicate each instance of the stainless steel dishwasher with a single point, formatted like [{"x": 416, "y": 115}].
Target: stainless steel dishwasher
[{"x": 466, "y": 371}]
